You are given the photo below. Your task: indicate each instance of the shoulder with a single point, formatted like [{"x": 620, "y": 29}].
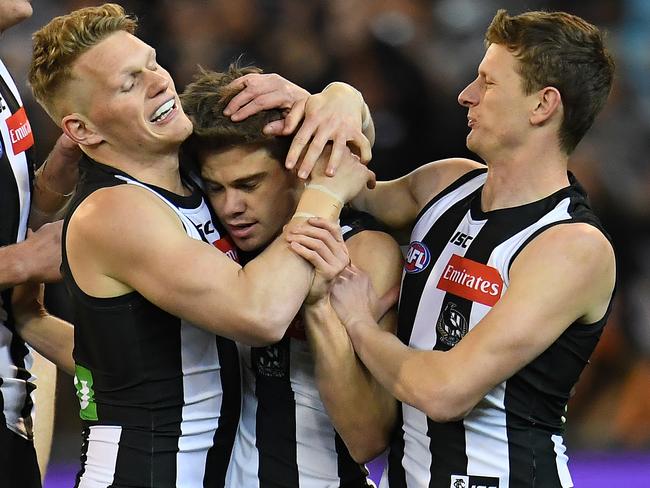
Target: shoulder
[
  {"x": 122, "y": 210},
  {"x": 377, "y": 253},
  {"x": 575, "y": 259},
  {"x": 432, "y": 178}
]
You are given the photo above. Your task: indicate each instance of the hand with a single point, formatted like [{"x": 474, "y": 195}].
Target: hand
[
  {"x": 349, "y": 179},
  {"x": 355, "y": 301},
  {"x": 61, "y": 171},
  {"x": 43, "y": 249},
  {"x": 266, "y": 91},
  {"x": 336, "y": 114},
  {"x": 321, "y": 243}
]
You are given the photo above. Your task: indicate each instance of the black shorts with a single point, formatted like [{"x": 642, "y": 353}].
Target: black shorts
[{"x": 18, "y": 466}]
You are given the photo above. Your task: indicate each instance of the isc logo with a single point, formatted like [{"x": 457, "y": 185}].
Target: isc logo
[{"x": 418, "y": 257}]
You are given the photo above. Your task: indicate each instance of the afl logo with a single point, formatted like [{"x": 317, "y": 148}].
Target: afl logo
[{"x": 418, "y": 257}]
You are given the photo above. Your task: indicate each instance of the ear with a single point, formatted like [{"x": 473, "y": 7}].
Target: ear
[
  {"x": 549, "y": 102},
  {"x": 80, "y": 131}
]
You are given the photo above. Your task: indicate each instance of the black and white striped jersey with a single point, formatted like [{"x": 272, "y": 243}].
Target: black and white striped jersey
[
  {"x": 285, "y": 438},
  {"x": 16, "y": 173},
  {"x": 456, "y": 269},
  {"x": 160, "y": 398}
]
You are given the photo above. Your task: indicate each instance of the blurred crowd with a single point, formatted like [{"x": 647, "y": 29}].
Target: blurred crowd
[{"x": 410, "y": 59}]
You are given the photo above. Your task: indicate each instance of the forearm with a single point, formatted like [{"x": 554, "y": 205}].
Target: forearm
[
  {"x": 14, "y": 267},
  {"x": 52, "y": 337},
  {"x": 54, "y": 182},
  {"x": 362, "y": 411},
  {"x": 45, "y": 373}
]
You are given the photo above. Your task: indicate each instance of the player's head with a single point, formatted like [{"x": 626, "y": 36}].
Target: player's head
[
  {"x": 242, "y": 168},
  {"x": 103, "y": 86},
  {"x": 559, "y": 51},
  {"x": 13, "y": 12}
]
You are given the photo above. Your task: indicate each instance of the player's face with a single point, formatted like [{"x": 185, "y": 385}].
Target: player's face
[
  {"x": 498, "y": 110},
  {"x": 252, "y": 193},
  {"x": 128, "y": 99},
  {"x": 13, "y": 12}
]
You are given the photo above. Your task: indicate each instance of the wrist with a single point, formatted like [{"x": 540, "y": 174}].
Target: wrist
[{"x": 319, "y": 201}]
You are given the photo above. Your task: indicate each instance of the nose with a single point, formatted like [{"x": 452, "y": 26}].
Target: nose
[
  {"x": 158, "y": 83},
  {"x": 469, "y": 96},
  {"x": 234, "y": 203}
]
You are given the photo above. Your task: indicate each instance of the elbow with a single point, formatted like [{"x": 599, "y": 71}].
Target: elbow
[
  {"x": 261, "y": 329},
  {"x": 367, "y": 444},
  {"x": 440, "y": 402},
  {"x": 368, "y": 448}
]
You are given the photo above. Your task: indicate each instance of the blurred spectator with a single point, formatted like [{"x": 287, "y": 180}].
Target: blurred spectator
[{"x": 410, "y": 58}]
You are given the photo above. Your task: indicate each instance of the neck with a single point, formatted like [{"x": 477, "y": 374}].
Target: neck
[
  {"x": 523, "y": 177},
  {"x": 161, "y": 170}
]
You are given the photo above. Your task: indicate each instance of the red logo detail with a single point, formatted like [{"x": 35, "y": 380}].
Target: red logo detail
[
  {"x": 20, "y": 132},
  {"x": 471, "y": 280},
  {"x": 226, "y": 246},
  {"x": 297, "y": 329}
]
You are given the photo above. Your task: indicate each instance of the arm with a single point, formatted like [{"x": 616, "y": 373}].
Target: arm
[
  {"x": 398, "y": 202},
  {"x": 496, "y": 348},
  {"x": 52, "y": 337},
  {"x": 45, "y": 373},
  {"x": 36, "y": 259},
  {"x": 361, "y": 410},
  {"x": 54, "y": 181},
  {"x": 189, "y": 278}
]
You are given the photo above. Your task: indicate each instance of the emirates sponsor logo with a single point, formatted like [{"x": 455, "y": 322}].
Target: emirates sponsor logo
[
  {"x": 20, "y": 132},
  {"x": 471, "y": 280}
]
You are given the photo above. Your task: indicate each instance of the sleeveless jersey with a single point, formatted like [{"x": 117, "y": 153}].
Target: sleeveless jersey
[
  {"x": 159, "y": 397},
  {"x": 285, "y": 437},
  {"x": 456, "y": 269},
  {"x": 16, "y": 174}
]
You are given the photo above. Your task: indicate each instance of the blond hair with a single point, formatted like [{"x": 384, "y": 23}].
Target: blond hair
[{"x": 57, "y": 45}]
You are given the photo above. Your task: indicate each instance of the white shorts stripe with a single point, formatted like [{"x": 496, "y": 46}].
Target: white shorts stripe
[
  {"x": 101, "y": 456},
  {"x": 561, "y": 461}
]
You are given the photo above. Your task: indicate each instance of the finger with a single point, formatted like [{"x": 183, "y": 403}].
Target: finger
[
  {"x": 363, "y": 145},
  {"x": 372, "y": 180},
  {"x": 300, "y": 140},
  {"x": 332, "y": 227},
  {"x": 238, "y": 101},
  {"x": 275, "y": 128},
  {"x": 338, "y": 149},
  {"x": 311, "y": 256},
  {"x": 314, "y": 150},
  {"x": 316, "y": 245},
  {"x": 295, "y": 115},
  {"x": 328, "y": 237},
  {"x": 258, "y": 103}
]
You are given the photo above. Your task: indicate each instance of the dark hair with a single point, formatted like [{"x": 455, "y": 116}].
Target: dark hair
[
  {"x": 563, "y": 51},
  {"x": 204, "y": 101}
]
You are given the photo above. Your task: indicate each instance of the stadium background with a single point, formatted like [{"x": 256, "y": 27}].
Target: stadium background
[{"x": 410, "y": 58}]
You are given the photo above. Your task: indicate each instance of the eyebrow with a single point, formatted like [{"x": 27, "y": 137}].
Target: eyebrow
[
  {"x": 128, "y": 70},
  {"x": 239, "y": 181}
]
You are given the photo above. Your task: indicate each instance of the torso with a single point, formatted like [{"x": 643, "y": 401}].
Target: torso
[
  {"x": 456, "y": 269},
  {"x": 16, "y": 173},
  {"x": 285, "y": 437},
  {"x": 159, "y": 397}
]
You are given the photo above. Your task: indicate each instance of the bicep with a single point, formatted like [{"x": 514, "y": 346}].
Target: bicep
[
  {"x": 183, "y": 276},
  {"x": 377, "y": 254}
]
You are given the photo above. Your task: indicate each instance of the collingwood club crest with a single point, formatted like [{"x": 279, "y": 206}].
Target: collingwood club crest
[{"x": 452, "y": 325}]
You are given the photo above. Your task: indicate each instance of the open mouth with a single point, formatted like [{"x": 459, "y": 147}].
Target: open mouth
[
  {"x": 240, "y": 230},
  {"x": 163, "y": 112}
]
